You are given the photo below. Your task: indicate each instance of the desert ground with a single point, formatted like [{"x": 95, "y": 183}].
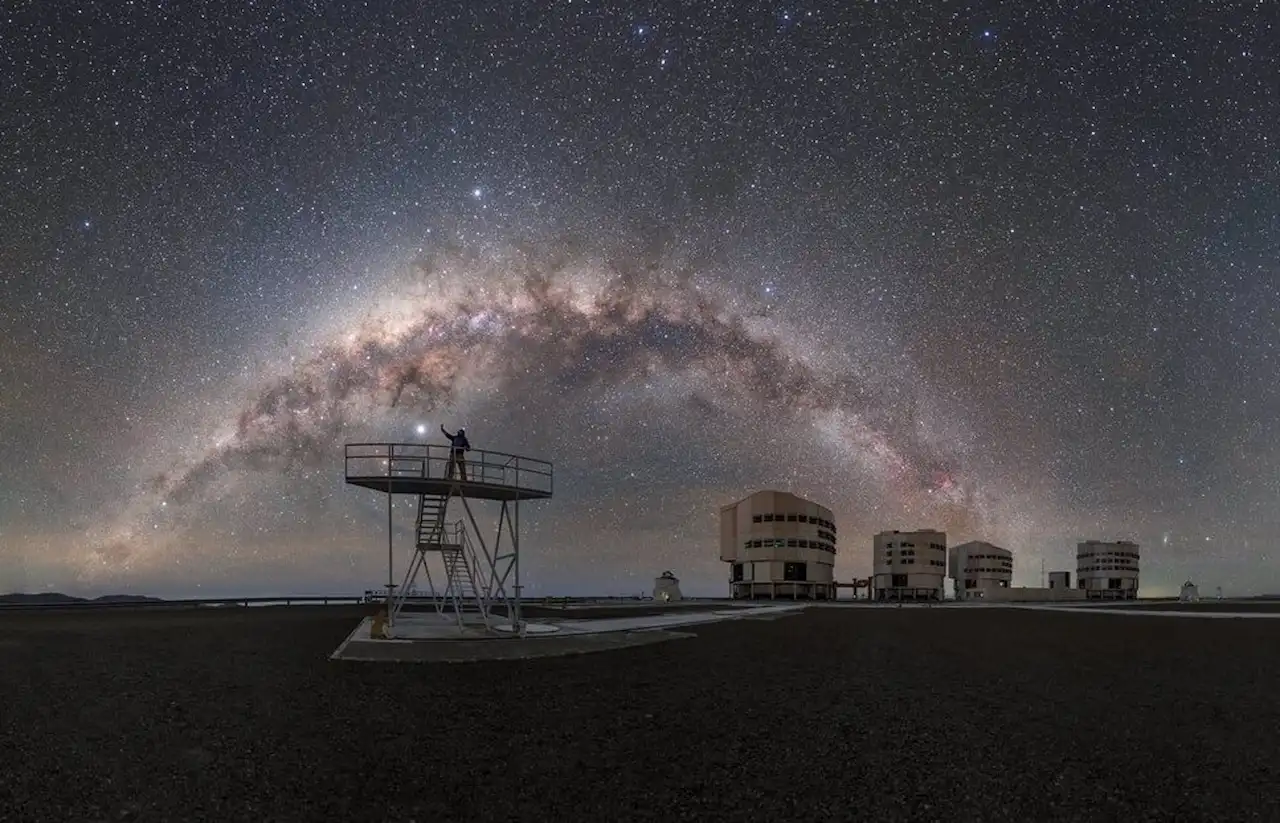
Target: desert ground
[{"x": 877, "y": 714}]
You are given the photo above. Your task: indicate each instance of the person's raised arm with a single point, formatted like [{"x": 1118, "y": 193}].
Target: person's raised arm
[{"x": 445, "y": 432}]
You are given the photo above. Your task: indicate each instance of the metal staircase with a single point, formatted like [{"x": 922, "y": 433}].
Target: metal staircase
[
  {"x": 431, "y": 512},
  {"x": 465, "y": 591},
  {"x": 461, "y": 568}
]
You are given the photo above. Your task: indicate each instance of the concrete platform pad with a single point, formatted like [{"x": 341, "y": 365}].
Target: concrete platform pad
[
  {"x": 512, "y": 648},
  {"x": 435, "y": 637},
  {"x": 416, "y": 626},
  {"x": 530, "y": 629},
  {"x": 433, "y": 626},
  {"x": 687, "y": 603}
]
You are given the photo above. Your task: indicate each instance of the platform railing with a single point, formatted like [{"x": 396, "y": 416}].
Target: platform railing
[{"x": 431, "y": 462}]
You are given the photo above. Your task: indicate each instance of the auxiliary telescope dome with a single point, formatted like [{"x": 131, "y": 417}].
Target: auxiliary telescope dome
[{"x": 666, "y": 587}]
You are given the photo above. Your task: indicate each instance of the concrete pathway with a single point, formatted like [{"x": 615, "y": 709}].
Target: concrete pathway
[
  {"x": 668, "y": 621},
  {"x": 1138, "y": 611}
]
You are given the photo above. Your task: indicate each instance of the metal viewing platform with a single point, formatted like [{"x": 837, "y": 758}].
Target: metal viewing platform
[
  {"x": 481, "y": 577},
  {"x": 419, "y": 468}
]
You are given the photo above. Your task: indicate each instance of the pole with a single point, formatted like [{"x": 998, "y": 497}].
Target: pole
[
  {"x": 515, "y": 547},
  {"x": 391, "y": 577}
]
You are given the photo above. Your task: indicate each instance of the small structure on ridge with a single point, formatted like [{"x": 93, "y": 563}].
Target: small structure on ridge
[{"x": 666, "y": 587}]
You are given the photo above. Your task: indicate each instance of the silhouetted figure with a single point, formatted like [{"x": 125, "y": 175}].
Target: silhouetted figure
[{"x": 458, "y": 448}]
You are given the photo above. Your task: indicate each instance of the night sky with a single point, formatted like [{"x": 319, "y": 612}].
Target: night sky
[{"x": 1010, "y": 270}]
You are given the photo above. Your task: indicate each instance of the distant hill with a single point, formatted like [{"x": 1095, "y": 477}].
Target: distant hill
[{"x": 58, "y": 598}]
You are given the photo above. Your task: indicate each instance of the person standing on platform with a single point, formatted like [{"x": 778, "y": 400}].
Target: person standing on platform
[{"x": 458, "y": 448}]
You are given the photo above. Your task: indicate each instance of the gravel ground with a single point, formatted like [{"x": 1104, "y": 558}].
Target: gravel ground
[{"x": 884, "y": 714}]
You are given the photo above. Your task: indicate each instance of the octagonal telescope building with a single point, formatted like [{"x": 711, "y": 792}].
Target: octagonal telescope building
[
  {"x": 1108, "y": 571},
  {"x": 909, "y": 565},
  {"x": 778, "y": 545},
  {"x": 977, "y": 567}
]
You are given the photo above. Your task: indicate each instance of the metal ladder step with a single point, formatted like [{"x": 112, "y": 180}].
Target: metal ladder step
[
  {"x": 458, "y": 572},
  {"x": 431, "y": 516}
]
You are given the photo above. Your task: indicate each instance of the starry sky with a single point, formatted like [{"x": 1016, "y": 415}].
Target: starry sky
[{"x": 1007, "y": 269}]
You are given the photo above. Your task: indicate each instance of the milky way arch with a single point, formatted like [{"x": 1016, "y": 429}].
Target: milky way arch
[{"x": 575, "y": 322}]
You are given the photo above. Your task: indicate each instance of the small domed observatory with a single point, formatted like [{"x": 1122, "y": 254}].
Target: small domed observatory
[
  {"x": 1190, "y": 594},
  {"x": 666, "y": 587}
]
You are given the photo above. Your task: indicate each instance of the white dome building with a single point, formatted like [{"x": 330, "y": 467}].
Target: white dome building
[{"x": 666, "y": 587}]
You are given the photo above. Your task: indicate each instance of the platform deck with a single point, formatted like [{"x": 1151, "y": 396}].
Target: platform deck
[
  {"x": 429, "y": 486},
  {"x": 420, "y": 468}
]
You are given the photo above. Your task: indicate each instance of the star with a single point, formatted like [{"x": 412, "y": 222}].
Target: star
[{"x": 726, "y": 253}]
